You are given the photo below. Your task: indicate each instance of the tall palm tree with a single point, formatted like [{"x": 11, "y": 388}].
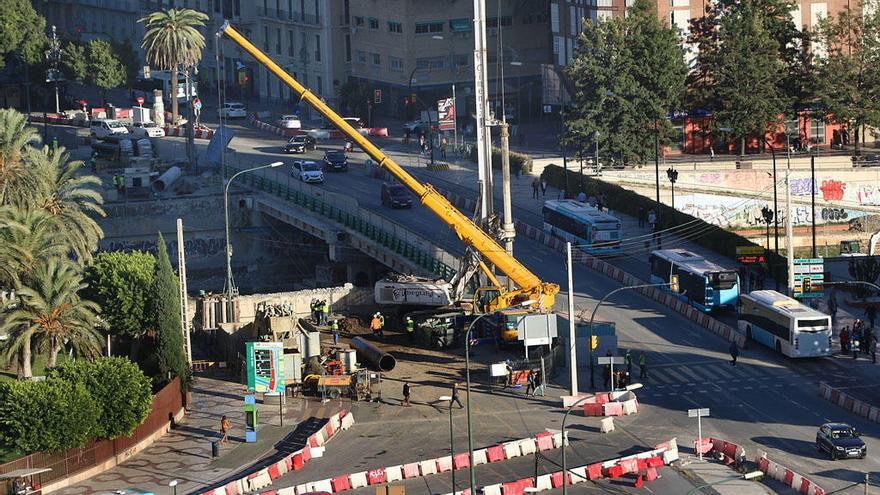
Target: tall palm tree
[
  {"x": 71, "y": 200},
  {"x": 28, "y": 238},
  {"x": 17, "y": 182},
  {"x": 172, "y": 41},
  {"x": 53, "y": 312}
]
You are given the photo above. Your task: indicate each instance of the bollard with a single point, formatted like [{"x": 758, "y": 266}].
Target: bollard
[{"x": 215, "y": 448}]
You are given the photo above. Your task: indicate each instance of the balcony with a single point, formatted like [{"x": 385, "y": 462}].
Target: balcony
[{"x": 281, "y": 15}]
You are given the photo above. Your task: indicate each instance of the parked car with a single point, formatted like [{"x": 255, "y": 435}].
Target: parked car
[
  {"x": 335, "y": 161},
  {"x": 232, "y": 110},
  {"x": 300, "y": 144},
  {"x": 307, "y": 171},
  {"x": 146, "y": 129},
  {"x": 289, "y": 122},
  {"x": 841, "y": 441},
  {"x": 396, "y": 195},
  {"x": 413, "y": 126},
  {"x": 355, "y": 122},
  {"x": 101, "y": 128}
]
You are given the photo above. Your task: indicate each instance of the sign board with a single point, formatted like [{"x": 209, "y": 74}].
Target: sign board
[
  {"x": 265, "y": 366},
  {"x": 146, "y": 72},
  {"x": 696, "y": 413},
  {"x": 140, "y": 100},
  {"x": 446, "y": 114},
  {"x": 610, "y": 360},
  {"x": 750, "y": 255},
  {"x": 809, "y": 277}
]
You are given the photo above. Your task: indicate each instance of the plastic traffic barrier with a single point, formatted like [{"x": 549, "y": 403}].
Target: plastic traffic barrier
[
  {"x": 393, "y": 473},
  {"x": 358, "y": 480},
  {"x": 480, "y": 457},
  {"x": 428, "y": 467},
  {"x": 376, "y": 476},
  {"x": 411, "y": 470},
  {"x": 444, "y": 464},
  {"x": 461, "y": 461},
  {"x": 496, "y": 453},
  {"x": 340, "y": 484}
]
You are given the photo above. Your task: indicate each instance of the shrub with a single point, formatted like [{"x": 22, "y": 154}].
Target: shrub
[
  {"x": 121, "y": 391},
  {"x": 518, "y": 161},
  {"x": 49, "y": 415}
]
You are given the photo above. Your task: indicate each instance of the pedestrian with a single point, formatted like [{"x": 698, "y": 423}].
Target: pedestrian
[
  {"x": 868, "y": 341},
  {"x": 115, "y": 182},
  {"x": 832, "y": 308},
  {"x": 325, "y": 312},
  {"x": 652, "y": 220},
  {"x": 422, "y": 140},
  {"x": 539, "y": 382},
  {"x": 643, "y": 365},
  {"x": 406, "y": 394},
  {"x": 406, "y": 133},
  {"x": 582, "y": 197},
  {"x": 381, "y": 324},
  {"x": 628, "y": 360},
  {"x": 224, "y": 429},
  {"x": 530, "y": 383},
  {"x": 854, "y": 344},
  {"x": 375, "y": 325},
  {"x": 606, "y": 372},
  {"x": 334, "y": 329},
  {"x": 410, "y": 328},
  {"x": 455, "y": 396},
  {"x": 522, "y": 138},
  {"x": 313, "y": 307},
  {"x": 641, "y": 216},
  {"x": 711, "y": 154},
  {"x": 443, "y": 144},
  {"x": 844, "y": 339},
  {"x": 543, "y": 186},
  {"x": 734, "y": 353},
  {"x": 536, "y": 184}
]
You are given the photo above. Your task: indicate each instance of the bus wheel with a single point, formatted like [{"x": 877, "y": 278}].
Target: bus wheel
[{"x": 779, "y": 347}]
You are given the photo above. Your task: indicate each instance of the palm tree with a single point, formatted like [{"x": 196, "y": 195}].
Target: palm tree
[
  {"x": 17, "y": 182},
  {"x": 28, "y": 238},
  {"x": 173, "y": 40},
  {"x": 53, "y": 312},
  {"x": 70, "y": 200}
]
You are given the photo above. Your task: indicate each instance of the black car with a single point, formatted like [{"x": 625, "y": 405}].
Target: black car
[
  {"x": 841, "y": 441},
  {"x": 396, "y": 196},
  {"x": 335, "y": 161},
  {"x": 300, "y": 144}
]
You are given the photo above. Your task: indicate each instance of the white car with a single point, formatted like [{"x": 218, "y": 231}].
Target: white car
[
  {"x": 146, "y": 129},
  {"x": 232, "y": 110},
  {"x": 307, "y": 171},
  {"x": 101, "y": 128},
  {"x": 414, "y": 125},
  {"x": 289, "y": 122}
]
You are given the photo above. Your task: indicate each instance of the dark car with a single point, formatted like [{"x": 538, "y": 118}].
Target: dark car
[
  {"x": 335, "y": 161},
  {"x": 300, "y": 144},
  {"x": 396, "y": 196},
  {"x": 841, "y": 441}
]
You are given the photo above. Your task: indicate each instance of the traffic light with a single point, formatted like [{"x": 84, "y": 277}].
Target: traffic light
[
  {"x": 673, "y": 283},
  {"x": 594, "y": 342}
]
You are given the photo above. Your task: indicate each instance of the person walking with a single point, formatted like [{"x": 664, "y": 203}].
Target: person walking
[
  {"x": 313, "y": 306},
  {"x": 871, "y": 315},
  {"x": 325, "y": 312},
  {"x": 734, "y": 353},
  {"x": 410, "y": 328},
  {"x": 652, "y": 220},
  {"x": 536, "y": 184},
  {"x": 334, "y": 329},
  {"x": 381, "y": 324},
  {"x": 224, "y": 430},
  {"x": 641, "y": 216},
  {"x": 628, "y": 361},
  {"x": 643, "y": 366},
  {"x": 443, "y": 144},
  {"x": 530, "y": 383},
  {"x": 455, "y": 396},
  {"x": 844, "y": 339},
  {"x": 606, "y": 372},
  {"x": 854, "y": 344},
  {"x": 543, "y": 186},
  {"x": 375, "y": 325},
  {"x": 832, "y": 307},
  {"x": 406, "y": 394}
]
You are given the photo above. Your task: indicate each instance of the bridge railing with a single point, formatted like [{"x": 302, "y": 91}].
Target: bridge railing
[{"x": 346, "y": 212}]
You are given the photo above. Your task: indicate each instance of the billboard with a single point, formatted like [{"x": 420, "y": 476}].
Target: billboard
[
  {"x": 446, "y": 114},
  {"x": 265, "y": 366}
]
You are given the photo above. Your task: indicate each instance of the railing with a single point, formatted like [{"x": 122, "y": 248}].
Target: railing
[{"x": 378, "y": 229}]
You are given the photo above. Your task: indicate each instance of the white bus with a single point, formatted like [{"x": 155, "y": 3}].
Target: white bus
[
  {"x": 595, "y": 232},
  {"x": 784, "y": 324}
]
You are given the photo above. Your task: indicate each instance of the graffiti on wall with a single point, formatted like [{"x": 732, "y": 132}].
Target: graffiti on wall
[
  {"x": 199, "y": 247},
  {"x": 730, "y": 212}
]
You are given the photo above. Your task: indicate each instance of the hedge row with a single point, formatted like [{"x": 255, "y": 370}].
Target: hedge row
[
  {"x": 628, "y": 202},
  {"x": 518, "y": 161}
]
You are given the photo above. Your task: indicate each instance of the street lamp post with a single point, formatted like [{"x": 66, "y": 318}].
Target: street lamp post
[
  {"x": 230, "y": 291},
  {"x": 657, "y": 159},
  {"x": 672, "y": 174},
  {"x": 768, "y": 215},
  {"x": 448, "y": 398},
  {"x": 564, "y": 459},
  {"x": 173, "y": 485}
]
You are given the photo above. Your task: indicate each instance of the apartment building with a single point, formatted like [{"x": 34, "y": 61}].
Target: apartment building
[
  {"x": 423, "y": 47},
  {"x": 86, "y": 20}
]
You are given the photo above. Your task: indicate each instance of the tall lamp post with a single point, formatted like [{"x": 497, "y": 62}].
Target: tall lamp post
[
  {"x": 53, "y": 57},
  {"x": 672, "y": 174},
  {"x": 768, "y": 216},
  {"x": 230, "y": 284},
  {"x": 747, "y": 476},
  {"x": 448, "y": 398}
]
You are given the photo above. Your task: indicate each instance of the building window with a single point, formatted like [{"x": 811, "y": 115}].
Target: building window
[
  {"x": 460, "y": 25},
  {"x": 358, "y": 21},
  {"x": 374, "y": 23},
  {"x": 395, "y": 63},
  {"x": 348, "y": 47},
  {"x": 462, "y": 60},
  {"x": 278, "y": 41},
  {"x": 395, "y": 27},
  {"x": 361, "y": 56},
  {"x": 430, "y": 63},
  {"x": 506, "y": 21},
  {"x": 236, "y": 7},
  {"x": 217, "y": 6},
  {"x": 429, "y": 27},
  {"x": 376, "y": 59},
  {"x": 554, "y": 17},
  {"x": 265, "y": 38},
  {"x": 290, "y": 51},
  {"x": 317, "y": 48}
]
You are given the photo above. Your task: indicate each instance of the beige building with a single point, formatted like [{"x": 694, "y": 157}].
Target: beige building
[{"x": 423, "y": 47}]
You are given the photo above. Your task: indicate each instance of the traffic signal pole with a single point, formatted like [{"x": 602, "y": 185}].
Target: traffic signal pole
[{"x": 572, "y": 346}]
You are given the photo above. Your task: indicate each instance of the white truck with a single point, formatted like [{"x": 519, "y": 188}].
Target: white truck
[{"x": 409, "y": 291}]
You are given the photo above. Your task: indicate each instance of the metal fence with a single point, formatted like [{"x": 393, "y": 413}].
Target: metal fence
[{"x": 166, "y": 404}]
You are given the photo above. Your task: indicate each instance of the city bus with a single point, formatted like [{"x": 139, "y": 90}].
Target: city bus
[
  {"x": 705, "y": 285},
  {"x": 784, "y": 324},
  {"x": 591, "y": 230}
]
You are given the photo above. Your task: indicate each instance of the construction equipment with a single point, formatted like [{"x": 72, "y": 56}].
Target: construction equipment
[{"x": 530, "y": 292}]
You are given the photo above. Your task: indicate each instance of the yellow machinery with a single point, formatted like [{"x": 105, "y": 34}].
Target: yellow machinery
[{"x": 530, "y": 288}]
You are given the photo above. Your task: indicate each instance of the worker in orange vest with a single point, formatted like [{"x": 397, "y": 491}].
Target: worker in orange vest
[{"x": 376, "y": 325}]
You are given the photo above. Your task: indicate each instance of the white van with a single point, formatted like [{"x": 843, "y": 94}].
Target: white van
[{"x": 102, "y": 128}]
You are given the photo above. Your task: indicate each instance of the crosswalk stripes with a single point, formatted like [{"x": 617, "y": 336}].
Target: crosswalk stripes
[{"x": 689, "y": 371}]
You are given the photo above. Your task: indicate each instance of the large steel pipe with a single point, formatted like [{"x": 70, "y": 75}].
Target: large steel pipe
[{"x": 372, "y": 354}]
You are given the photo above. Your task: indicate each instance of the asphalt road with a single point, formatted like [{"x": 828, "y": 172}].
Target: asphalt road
[{"x": 767, "y": 402}]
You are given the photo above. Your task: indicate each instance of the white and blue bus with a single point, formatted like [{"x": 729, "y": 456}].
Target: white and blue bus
[
  {"x": 784, "y": 324},
  {"x": 705, "y": 285},
  {"x": 595, "y": 232}
]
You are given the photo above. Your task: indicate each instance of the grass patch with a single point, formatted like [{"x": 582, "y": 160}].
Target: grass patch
[{"x": 38, "y": 367}]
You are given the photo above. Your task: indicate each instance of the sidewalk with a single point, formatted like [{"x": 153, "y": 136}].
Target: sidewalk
[{"x": 724, "y": 480}]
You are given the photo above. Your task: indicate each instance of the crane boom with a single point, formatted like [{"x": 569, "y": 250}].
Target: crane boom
[{"x": 530, "y": 286}]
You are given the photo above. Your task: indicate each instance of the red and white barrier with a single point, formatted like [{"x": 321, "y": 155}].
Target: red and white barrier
[
  {"x": 611, "y": 404},
  {"x": 315, "y": 133},
  {"x": 851, "y": 404},
  {"x": 198, "y": 133},
  {"x": 731, "y": 453},
  {"x": 788, "y": 477}
]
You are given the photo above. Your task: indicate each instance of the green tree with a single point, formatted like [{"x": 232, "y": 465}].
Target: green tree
[
  {"x": 74, "y": 61},
  {"x": 628, "y": 72},
  {"x": 129, "y": 58},
  {"x": 121, "y": 391},
  {"x": 748, "y": 82},
  {"x": 163, "y": 313},
  {"x": 52, "y": 310},
  {"x": 22, "y": 30},
  {"x": 864, "y": 270},
  {"x": 849, "y": 71},
  {"x": 105, "y": 70},
  {"x": 17, "y": 183},
  {"x": 172, "y": 41},
  {"x": 49, "y": 415},
  {"x": 120, "y": 283},
  {"x": 355, "y": 97}
]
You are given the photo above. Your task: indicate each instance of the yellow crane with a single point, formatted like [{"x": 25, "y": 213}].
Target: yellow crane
[{"x": 529, "y": 287}]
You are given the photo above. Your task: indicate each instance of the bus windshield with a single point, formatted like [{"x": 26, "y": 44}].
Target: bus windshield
[
  {"x": 722, "y": 280},
  {"x": 812, "y": 325}
]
